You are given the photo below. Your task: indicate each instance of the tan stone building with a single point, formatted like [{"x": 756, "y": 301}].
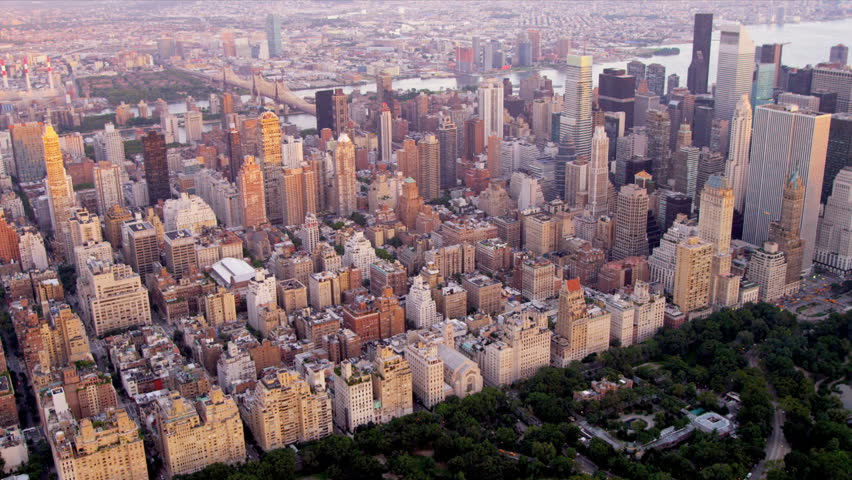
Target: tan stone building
[
  {"x": 693, "y": 263},
  {"x": 581, "y": 329},
  {"x": 541, "y": 233},
  {"x": 538, "y": 279},
  {"x": 218, "y": 307},
  {"x": 113, "y": 450},
  {"x": 113, "y": 297},
  {"x": 483, "y": 293},
  {"x": 191, "y": 439},
  {"x": 392, "y": 385},
  {"x": 283, "y": 410}
]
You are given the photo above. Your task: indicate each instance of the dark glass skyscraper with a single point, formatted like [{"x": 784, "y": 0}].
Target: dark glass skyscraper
[
  {"x": 273, "y": 34},
  {"x": 324, "y": 102},
  {"x": 156, "y": 167},
  {"x": 616, "y": 93},
  {"x": 839, "y": 153},
  {"x": 699, "y": 68},
  {"x": 447, "y": 133}
]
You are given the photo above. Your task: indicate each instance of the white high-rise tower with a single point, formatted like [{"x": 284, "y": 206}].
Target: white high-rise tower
[
  {"x": 785, "y": 139},
  {"x": 736, "y": 170},
  {"x": 576, "y": 121},
  {"x": 490, "y": 97},
  {"x": 599, "y": 174},
  {"x": 735, "y": 71}
]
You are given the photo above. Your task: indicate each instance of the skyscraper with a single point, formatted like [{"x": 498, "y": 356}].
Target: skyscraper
[
  {"x": 339, "y": 111},
  {"x": 834, "y": 239},
  {"x": 598, "y": 183},
  {"x": 384, "y": 89},
  {"x": 735, "y": 70},
  {"x": 28, "y": 150},
  {"x": 637, "y": 69},
  {"x": 631, "y": 225},
  {"x": 655, "y": 76},
  {"x": 576, "y": 121},
  {"x": 235, "y": 153},
  {"x": 787, "y": 231},
  {"x": 839, "y": 150},
  {"x": 429, "y": 162},
  {"x": 252, "y": 199},
  {"x": 345, "y": 184},
  {"x": 273, "y": 34},
  {"x": 699, "y": 68},
  {"x": 107, "y": 186},
  {"x": 272, "y": 157},
  {"x": 692, "y": 274},
  {"x": 60, "y": 194},
  {"x": 616, "y": 93},
  {"x": 736, "y": 168},
  {"x": 385, "y": 134},
  {"x": 839, "y": 54},
  {"x": 490, "y": 97},
  {"x": 659, "y": 131},
  {"x": 447, "y": 133},
  {"x": 776, "y": 128},
  {"x": 325, "y": 109},
  {"x": 156, "y": 167},
  {"x": 771, "y": 53},
  {"x": 299, "y": 194}
]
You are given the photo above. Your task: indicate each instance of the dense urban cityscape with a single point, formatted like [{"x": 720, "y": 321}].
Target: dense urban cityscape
[{"x": 419, "y": 239}]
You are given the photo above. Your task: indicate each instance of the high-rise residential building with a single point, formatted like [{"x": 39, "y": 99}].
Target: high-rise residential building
[
  {"x": 447, "y": 138},
  {"x": 735, "y": 70},
  {"x": 834, "y": 236},
  {"x": 771, "y": 163},
  {"x": 262, "y": 293},
  {"x": 839, "y": 54},
  {"x": 60, "y": 194},
  {"x": 736, "y": 168},
  {"x": 83, "y": 227},
  {"x": 655, "y": 76},
  {"x": 429, "y": 163},
  {"x": 140, "y": 245},
  {"x": 631, "y": 224},
  {"x": 284, "y": 409},
  {"x": 252, "y": 195},
  {"x": 114, "y": 449},
  {"x": 235, "y": 153},
  {"x": 384, "y": 89},
  {"x": 581, "y": 330},
  {"x": 109, "y": 146},
  {"x": 598, "y": 183},
  {"x": 345, "y": 185},
  {"x": 310, "y": 233},
  {"x": 28, "y": 151},
  {"x": 31, "y": 247},
  {"x": 839, "y": 154},
  {"x": 193, "y": 124},
  {"x": 538, "y": 279},
  {"x": 420, "y": 309},
  {"x": 616, "y": 93},
  {"x": 699, "y": 68},
  {"x": 353, "y": 397},
  {"x": 179, "y": 251},
  {"x": 9, "y": 251},
  {"x": 156, "y": 167},
  {"x": 339, "y": 111},
  {"x": 658, "y": 151},
  {"x": 273, "y": 34},
  {"x": 786, "y": 232},
  {"x": 768, "y": 269},
  {"x": 392, "y": 385},
  {"x": 576, "y": 121},
  {"x": 218, "y": 307},
  {"x": 490, "y": 98},
  {"x": 672, "y": 82},
  {"x": 637, "y": 69},
  {"x": 188, "y": 212},
  {"x": 112, "y": 297},
  {"x": 299, "y": 194},
  {"x": 427, "y": 372},
  {"x": 229, "y": 47},
  {"x": 191, "y": 437},
  {"x": 692, "y": 281},
  {"x": 108, "y": 186},
  {"x": 385, "y": 134},
  {"x": 271, "y": 155},
  {"x": 717, "y": 214}
]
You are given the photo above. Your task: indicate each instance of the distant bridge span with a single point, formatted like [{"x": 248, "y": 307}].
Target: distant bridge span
[{"x": 275, "y": 90}]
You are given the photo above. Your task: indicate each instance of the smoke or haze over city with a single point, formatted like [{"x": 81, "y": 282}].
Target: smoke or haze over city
[{"x": 416, "y": 240}]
